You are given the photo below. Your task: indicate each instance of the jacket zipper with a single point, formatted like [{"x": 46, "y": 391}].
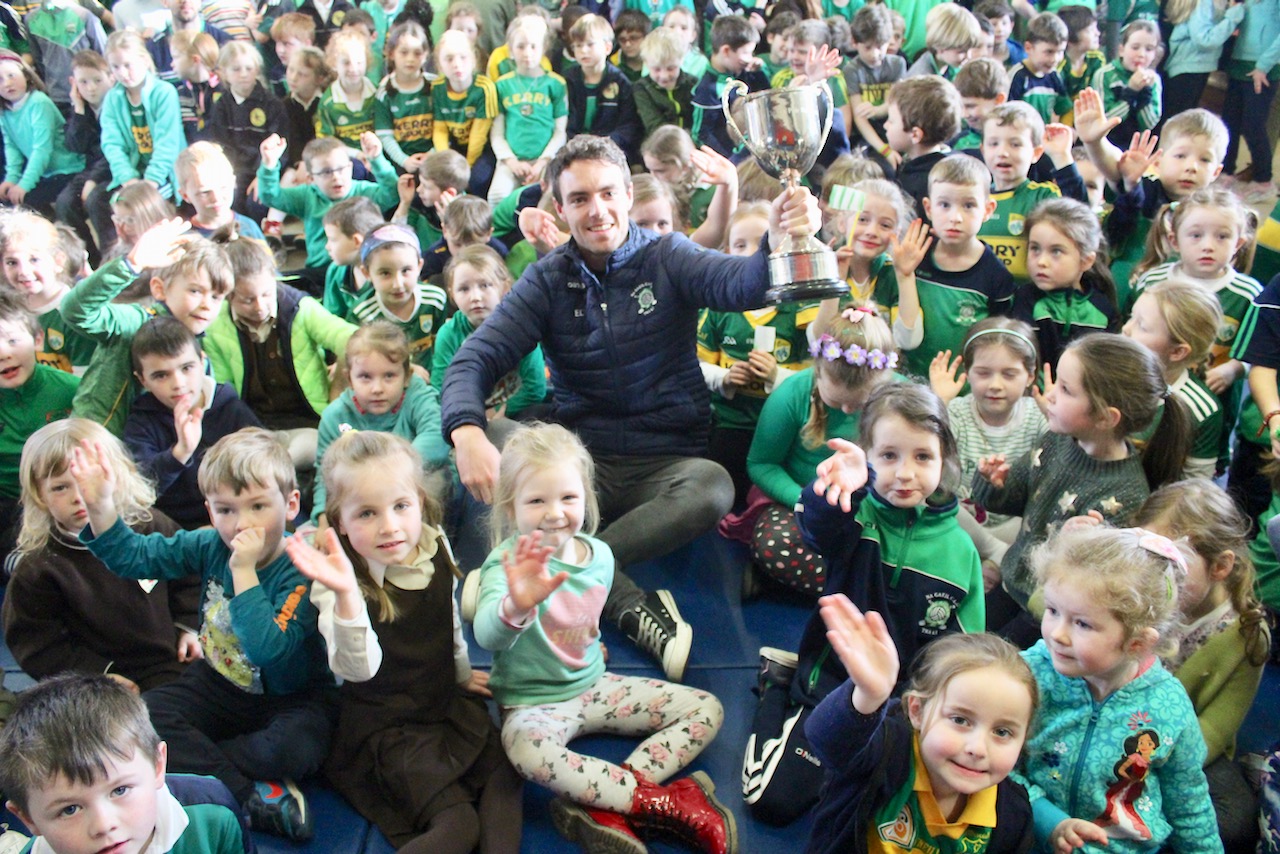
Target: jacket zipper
[
  {"x": 902, "y": 558},
  {"x": 1084, "y": 752}
]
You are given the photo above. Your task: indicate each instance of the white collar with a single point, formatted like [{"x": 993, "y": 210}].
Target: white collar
[{"x": 171, "y": 823}]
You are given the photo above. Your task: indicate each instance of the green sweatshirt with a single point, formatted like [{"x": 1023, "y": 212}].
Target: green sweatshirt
[
  {"x": 33, "y": 146},
  {"x": 107, "y": 388},
  {"x": 524, "y": 387},
  {"x": 310, "y": 205},
  {"x": 45, "y": 397}
]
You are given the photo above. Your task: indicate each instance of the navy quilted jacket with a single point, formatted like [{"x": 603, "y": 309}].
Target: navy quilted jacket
[{"x": 621, "y": 346}]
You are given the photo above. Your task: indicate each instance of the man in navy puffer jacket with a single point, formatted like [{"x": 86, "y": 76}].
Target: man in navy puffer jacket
[{"x": 616, "y": 312}]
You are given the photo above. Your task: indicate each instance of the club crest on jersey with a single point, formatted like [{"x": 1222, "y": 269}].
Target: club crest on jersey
[{"x": 646, "y": 301}]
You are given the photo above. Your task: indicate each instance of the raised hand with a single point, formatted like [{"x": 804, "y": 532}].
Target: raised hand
[
  {"x": 188, "y": 421},
  {"x": 1091, "y": 118},
  {"x": 842, "y": 474},
  {"x": 406, "y": 189},
  {"x": 909, "y": 252},
  {"x": 994, "y": 470},
  {"x": 540, "y": 229},
  {"x": 328, "y": 564},
  {"x": 821, "y": 63},
  {"x": 942, "y": 376},
  {"x": 272, "y": 149},
  {"x": 1042, "y": 397},
  {"x": 1073, "y": 833},
  {"x": 529, "y": 579},
  {"x": 1057, "y": 143},
  {"x": 370, "y": 145},
  {"x": 865, "y": 648},
  {"x": 1141, "y": 156},
  {"x": 161, "y": 245},
  {"x": 92, "y": 472},
  {"x": 718, "y": 170}
]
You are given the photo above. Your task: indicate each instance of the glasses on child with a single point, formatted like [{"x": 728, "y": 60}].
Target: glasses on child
[{"x": 337, "y": 170}]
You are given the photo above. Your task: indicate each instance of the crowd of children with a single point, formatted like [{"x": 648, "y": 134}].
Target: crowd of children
[{"x": 1043, "y": 418}]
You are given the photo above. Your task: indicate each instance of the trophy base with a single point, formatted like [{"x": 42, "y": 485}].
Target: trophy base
[{"x": 806, "y": 291}]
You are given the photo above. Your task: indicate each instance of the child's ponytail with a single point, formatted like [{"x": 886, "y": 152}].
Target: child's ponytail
[
  {"x": 1118, "y": 372},
  {"x": 1159, "y": 246}
]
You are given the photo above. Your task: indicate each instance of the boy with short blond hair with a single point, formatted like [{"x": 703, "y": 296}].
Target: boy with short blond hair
[
  {"x": 1192, "y": 147},
  {"x": 258, "y": 710},
  {"x": 1013, "y": 140},
  {"x": 74, "y": 739},
  {"x": 600, "y": 97},
  {"x": 665, "y": 95},
  {"x": 951, "y": 32},
  {"x": 1037, "y": 80},
  {"x": 959, "y": 280},
  {"x": 924, "y": 112},
  {"x": 207, "y": 182},
  {"x": 983, "y": 85}
]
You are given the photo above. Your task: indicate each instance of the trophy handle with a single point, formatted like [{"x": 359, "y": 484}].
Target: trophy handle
[
  {"x": 831, "y": 111},
  {"x": 733, "y": 86}
]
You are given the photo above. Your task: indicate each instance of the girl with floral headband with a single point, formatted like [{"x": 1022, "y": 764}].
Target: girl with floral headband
[
  {"x": 882, "y": 517},
  {"x": 1115, "y": 753},
  {"x": 799, "y": 417}
]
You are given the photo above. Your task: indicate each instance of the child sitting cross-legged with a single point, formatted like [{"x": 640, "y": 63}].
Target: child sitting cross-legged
[
  {"x": 259, "y": 706},
  {"x": 81, "y": 764},
  {"x": 180, "y": 414}
]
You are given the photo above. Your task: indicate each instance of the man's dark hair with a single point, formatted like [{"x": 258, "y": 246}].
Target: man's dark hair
[{"x": 585, "y": 147}]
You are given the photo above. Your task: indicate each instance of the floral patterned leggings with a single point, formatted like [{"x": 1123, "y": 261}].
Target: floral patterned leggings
[
  {"x": 679, "y": 721},
  {"x": 779, "y": 550}
]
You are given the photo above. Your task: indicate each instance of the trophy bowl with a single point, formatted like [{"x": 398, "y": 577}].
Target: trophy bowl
[{"x": 785, "y": 130}]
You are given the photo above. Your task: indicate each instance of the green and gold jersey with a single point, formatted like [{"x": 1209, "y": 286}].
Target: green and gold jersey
[
  {"x": 458, "y": 111},
  {"x": 141, "y": 135},
  {"x": 839, "y": 89},
  {"x": 1006, "y": 231},
  {"x": 406, "y": 114},
  {"x": 421, "y": 326},
  {"x": 348, "y": 122},
  {"x": 728, "y": 337},
  {"x": 530, "y": 106},
  {"x": 951, "y": 302}
]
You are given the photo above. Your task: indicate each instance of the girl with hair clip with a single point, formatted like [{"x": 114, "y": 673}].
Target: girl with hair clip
[
  {"x": 1115, "y": 754},
  {"x": 1108, "y": 388},
  {"x": 1177, "y": 320},
  {"x": 969, "y": 703},
  {"x": 853, "y": 358},
  {"x": 1071, "y": 292},
  {"x": 384, "y": 393},
  {"x": 415, "y": 753},
  {"x": 704, "y": 184},
  {"x": 744, "y": 356},
  {"x": 538, "y": 608},
  {"x": 1223, "y": 638},
  {"x": 864, "y": 255},
  {"x": 881, "y": 515},
  {"x": 37, "y": 164},
  {"x": 64, "y": 610},
  {"x": 402, "y": 112}
]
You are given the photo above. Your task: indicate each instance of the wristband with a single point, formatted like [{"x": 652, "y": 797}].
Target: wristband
[
  {"x": 884, "y": 150},
  {"x": 1266, "y": 422}
]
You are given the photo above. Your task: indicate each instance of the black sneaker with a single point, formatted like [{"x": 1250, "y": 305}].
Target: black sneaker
[
  {"x": 279, "y": 809},
  {"x": 656, "y": 627},
  {"x": 777, "y": 667}
]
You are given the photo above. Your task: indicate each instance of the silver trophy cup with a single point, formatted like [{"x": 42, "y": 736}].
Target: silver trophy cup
[{"x": 785, "y": 131}]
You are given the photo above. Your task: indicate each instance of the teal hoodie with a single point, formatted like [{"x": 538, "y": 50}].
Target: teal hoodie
[{"x": 1259, "y": 39}]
